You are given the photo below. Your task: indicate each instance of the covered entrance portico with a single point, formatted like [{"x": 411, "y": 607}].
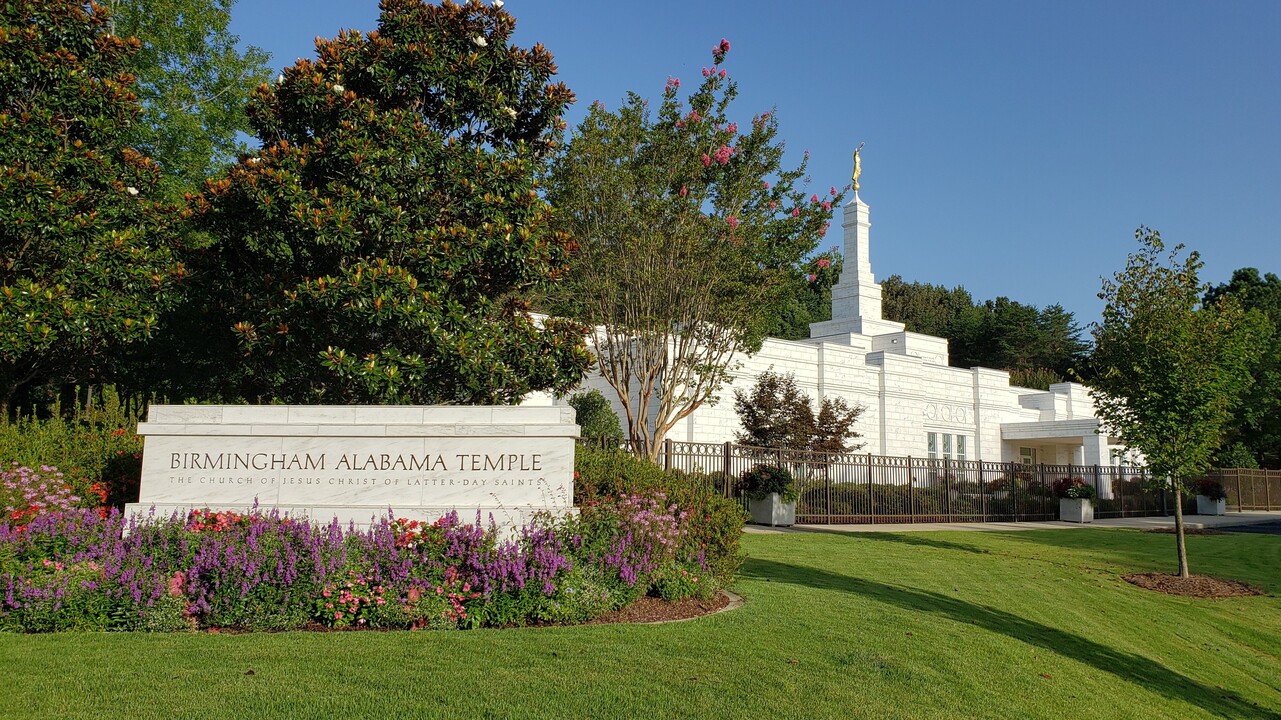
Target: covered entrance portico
[{"x": 1057, "y": 442}]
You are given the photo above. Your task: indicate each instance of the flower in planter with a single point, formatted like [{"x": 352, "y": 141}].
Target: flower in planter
[
  {"x": 762, "y": 480},
  {"x": 1211, "y": 488},
  {"x": 1073, "y": 488}
]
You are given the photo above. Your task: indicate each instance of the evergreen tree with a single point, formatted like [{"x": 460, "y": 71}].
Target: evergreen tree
[{"x": 379, "y": 247}]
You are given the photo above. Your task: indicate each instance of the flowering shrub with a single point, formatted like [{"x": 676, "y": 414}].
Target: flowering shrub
[
  {"x": 26, "y": 493},
  {"x": 1073, "y": 488}
]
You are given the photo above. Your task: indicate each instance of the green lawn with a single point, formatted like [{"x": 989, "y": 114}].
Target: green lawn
[{"x": 937, "y": 625}]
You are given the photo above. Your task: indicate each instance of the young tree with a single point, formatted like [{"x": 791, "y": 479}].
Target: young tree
[
  {"x": 596, "y": 419},
  {"x": 193, "y": 84},
  {"x": 378, "y": 247},
  {"x": 688, "y": 228},
  {"x": 1169, "y": 368},
  {"x": 84, "y": 267},
  {"x": 778, "y": 414}
]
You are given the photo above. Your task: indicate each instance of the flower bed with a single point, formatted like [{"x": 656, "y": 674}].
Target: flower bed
[{"x": 78, "y": 570}]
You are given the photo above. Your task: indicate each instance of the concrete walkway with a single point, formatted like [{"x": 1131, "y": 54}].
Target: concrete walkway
[{"x": 1249, "y": 517}]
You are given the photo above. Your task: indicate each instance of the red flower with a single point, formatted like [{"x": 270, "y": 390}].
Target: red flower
[
  {"x": 814, "y": 198},
  {"x": 796, "y": 212},
  {"x": 733, "y": 128},
  {"x": 813, "y": 277},
  {"x": 684, "y": 192},
  {"x": 733, "y": 222},
  {"x": 824, "y": 262},
  {"x": 707, "y": 161},
  {"x": 827, "y": 205}
]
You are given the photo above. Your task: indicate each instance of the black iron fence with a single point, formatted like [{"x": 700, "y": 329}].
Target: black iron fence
[{"x": 864, "y": 488}]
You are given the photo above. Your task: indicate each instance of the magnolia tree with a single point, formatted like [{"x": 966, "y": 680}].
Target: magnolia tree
[
  {"x": 688, "y": 229},
  {"x": 379, "y": 246},
  {"x": 1169, "y": 368},
  {"x": 84, "y": 271}
]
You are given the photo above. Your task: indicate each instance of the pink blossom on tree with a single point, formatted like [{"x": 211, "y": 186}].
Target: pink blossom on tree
[
  {"x": 824, "y": 263},
  {"x": 733, "y": 222}
]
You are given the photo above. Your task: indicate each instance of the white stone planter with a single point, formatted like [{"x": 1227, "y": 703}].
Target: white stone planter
[
  {"x": 772, "y": 511},
  {"x": 1076, "y": 510},
  {"x": 1206, "y": 506}
]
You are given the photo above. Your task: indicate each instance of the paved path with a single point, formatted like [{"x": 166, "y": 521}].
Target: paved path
[{"x": 1263, "y": 521}]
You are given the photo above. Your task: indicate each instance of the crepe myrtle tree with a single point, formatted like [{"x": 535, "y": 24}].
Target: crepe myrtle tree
[
  {"x": 379, "y": 246},
  {"x": 1169, "y": 367},
  {"x": 86, "y": 266},
  {"x": 688, "y": 228}
]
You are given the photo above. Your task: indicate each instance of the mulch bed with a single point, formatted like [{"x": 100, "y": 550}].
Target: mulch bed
[
  {"x": 656, "y": 610},
  {"x": 1194, "y": 586}
]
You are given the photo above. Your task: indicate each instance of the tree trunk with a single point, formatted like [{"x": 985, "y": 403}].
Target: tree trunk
[{"x": 1178, "y": 529}]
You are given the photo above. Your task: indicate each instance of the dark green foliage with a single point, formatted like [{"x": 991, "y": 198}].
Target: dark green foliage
[
  {"x": 85, "y": 261},
  {"x": 596, "y": 419},
  {"x": 719, "y": 520},
  {"x": 378, "y": 247},
  {"x": 777, "y": 414},
  {"x": 1000, "y": 333},
  {"x": 808, "y": 298},
  {"x": 193, "y": 84},
  {"x": 1254, "y": 436}
]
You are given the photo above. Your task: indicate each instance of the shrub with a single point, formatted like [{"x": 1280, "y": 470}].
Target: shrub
[
  {"x": 762, "y": 480},
  {"x": 596, "y": 417},
  {"x": 1074, "y": 488},
  {"x": 716, "y": 522},
  {"x": 96, "y": 445},
  {"x": 1211, "y": 488}
]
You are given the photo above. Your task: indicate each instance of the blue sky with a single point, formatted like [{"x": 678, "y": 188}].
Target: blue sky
[{"x": 1012, "y": 147}]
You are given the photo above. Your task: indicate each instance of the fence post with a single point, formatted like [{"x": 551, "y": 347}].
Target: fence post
[
  {"x": 1267, "y": 492},
  {"x": 1014, "y": 491},
  {"x": 725, "y": 468},
  {"x": 871, "y": 496},
  {"x": 911, "y": 492},
  {"x": 982, "y": 495}
]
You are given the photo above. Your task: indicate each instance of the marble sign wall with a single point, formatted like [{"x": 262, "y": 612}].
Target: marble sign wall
[{"x": 356, "y": 462}]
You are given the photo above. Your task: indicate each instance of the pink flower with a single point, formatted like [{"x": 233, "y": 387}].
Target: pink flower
[
  {"x": 766, "y": 184},
  {"x": 680, "y": 124},
  {"x": 707, "y": 161},
  {"x": 414, "y": 594},
  {"x": 723, "y": 155},
  {"x": 337, "y": 615},
  {"x": 706, "y": 72},
  {"x": 326, "y": 592},
  {"x": 827, "y": 205},
  {"x": 694, "y": 116},
  {"x": 773, "y": 205},
  {"x": 724, "y": 46},
  {"x": 796, "y": 212},
  {"x": 824, "y": 263},
  {"x": 722, "y": 74},
  {"x": 833, "y": 191},
  {"x": 673, "y": 83},
  {"x": 812, "y": 277},
  {"x": 733, "y": 222},
  {"x": 684, "y": 191},
  {"x": 176, "y": 583},
  {"x": 814, "y": 198},
  {"x": 822, "y": 231},
  {"x": 733, "y": 128}
]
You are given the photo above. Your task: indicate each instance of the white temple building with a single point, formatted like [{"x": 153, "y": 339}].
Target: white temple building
[{"x": 915, "y": 404}]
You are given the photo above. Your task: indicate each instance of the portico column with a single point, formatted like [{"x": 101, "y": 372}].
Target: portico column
[{"x": 1094, "y": 448}]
